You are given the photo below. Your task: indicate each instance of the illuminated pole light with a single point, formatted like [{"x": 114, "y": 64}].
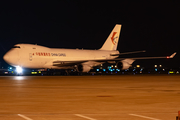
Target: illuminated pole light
[
  {"x": 155, "y": 65},
  {"x": 19, "y": 69},
  {"x": 160, "y": 65}
]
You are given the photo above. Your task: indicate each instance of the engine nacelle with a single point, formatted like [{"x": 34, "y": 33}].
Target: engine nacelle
[
  {"x": 83, "y": 68},
  {"x": 124, "y": 64}
]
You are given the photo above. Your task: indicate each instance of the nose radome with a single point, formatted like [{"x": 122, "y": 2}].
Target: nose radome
[
  {"x": 6, "y": 57},
  {"x": 12, "y": 57}
]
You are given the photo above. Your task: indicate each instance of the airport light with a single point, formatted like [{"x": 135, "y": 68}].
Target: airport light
[
  {"x": 155, "y": 65},
  {"x": 33, "y": 72},
  {"x": 160, "y": 65},
  {"x": 5, "y": 72},
  {"x": 137, "y": 66},
  {"x": 171, "y": 72}
]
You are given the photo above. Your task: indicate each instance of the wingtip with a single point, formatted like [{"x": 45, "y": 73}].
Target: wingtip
[{"x": 172, "y": 55}]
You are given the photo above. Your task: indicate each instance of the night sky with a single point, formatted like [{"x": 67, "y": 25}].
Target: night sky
[{"x": 152, "y": 26}]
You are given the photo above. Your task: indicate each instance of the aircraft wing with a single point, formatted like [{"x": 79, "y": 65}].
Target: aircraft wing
[
  {"x": 71, "y": 63},
  {"x": 140, "y": 58},
  {"x": 128, "y": 53}
]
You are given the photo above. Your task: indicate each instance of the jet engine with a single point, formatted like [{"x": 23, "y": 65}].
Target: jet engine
[
  {"x": 83, "y": 68},
  {"x": 124, "y": 64}
]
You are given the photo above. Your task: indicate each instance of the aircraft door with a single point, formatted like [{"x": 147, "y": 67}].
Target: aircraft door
[{"x": 30, "y": 56}]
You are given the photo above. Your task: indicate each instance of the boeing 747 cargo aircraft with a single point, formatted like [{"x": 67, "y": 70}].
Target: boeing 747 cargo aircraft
[{"x": 36, "y": 56}]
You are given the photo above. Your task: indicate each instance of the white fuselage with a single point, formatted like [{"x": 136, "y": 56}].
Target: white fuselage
[{"x": 35, "y": 56}]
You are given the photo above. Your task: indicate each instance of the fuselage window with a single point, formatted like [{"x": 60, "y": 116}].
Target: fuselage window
[{"x": 16, "y": 46}]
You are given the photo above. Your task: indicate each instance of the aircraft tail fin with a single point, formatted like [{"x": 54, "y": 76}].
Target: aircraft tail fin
[{"x": 112, "y": 40}]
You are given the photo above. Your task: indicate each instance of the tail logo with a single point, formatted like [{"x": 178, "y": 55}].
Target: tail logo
[{"x": 113, "y": 38}]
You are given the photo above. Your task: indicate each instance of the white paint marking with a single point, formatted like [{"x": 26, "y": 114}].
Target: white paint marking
[
  {"x": 84, "y": 117},
  {"x": 144, "y": 117},
  {"x": 24, "y": 117}
]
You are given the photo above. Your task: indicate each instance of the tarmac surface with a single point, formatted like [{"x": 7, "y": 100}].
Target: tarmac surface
[{"x": 123, "y": 97}]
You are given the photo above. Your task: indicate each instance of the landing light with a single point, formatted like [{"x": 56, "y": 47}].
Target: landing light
[{"x": 19, "y": 69}]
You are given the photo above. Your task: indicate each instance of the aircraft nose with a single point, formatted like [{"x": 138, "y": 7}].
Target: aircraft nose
[
  {"x": 11, "y": 57},
  {"x": 6, "y": 57}
]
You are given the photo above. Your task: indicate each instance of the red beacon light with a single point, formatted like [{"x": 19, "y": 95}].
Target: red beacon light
[{"x": 167, "y": 57}]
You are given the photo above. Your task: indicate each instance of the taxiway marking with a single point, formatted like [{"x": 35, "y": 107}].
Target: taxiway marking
[
  {"x": 144, "y": 116},
  {"x": 24, "y": 117},
  {"x": 84, "y": 117}
]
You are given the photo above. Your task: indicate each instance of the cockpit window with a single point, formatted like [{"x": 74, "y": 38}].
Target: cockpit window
[{"x": 16, "y": 46}]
